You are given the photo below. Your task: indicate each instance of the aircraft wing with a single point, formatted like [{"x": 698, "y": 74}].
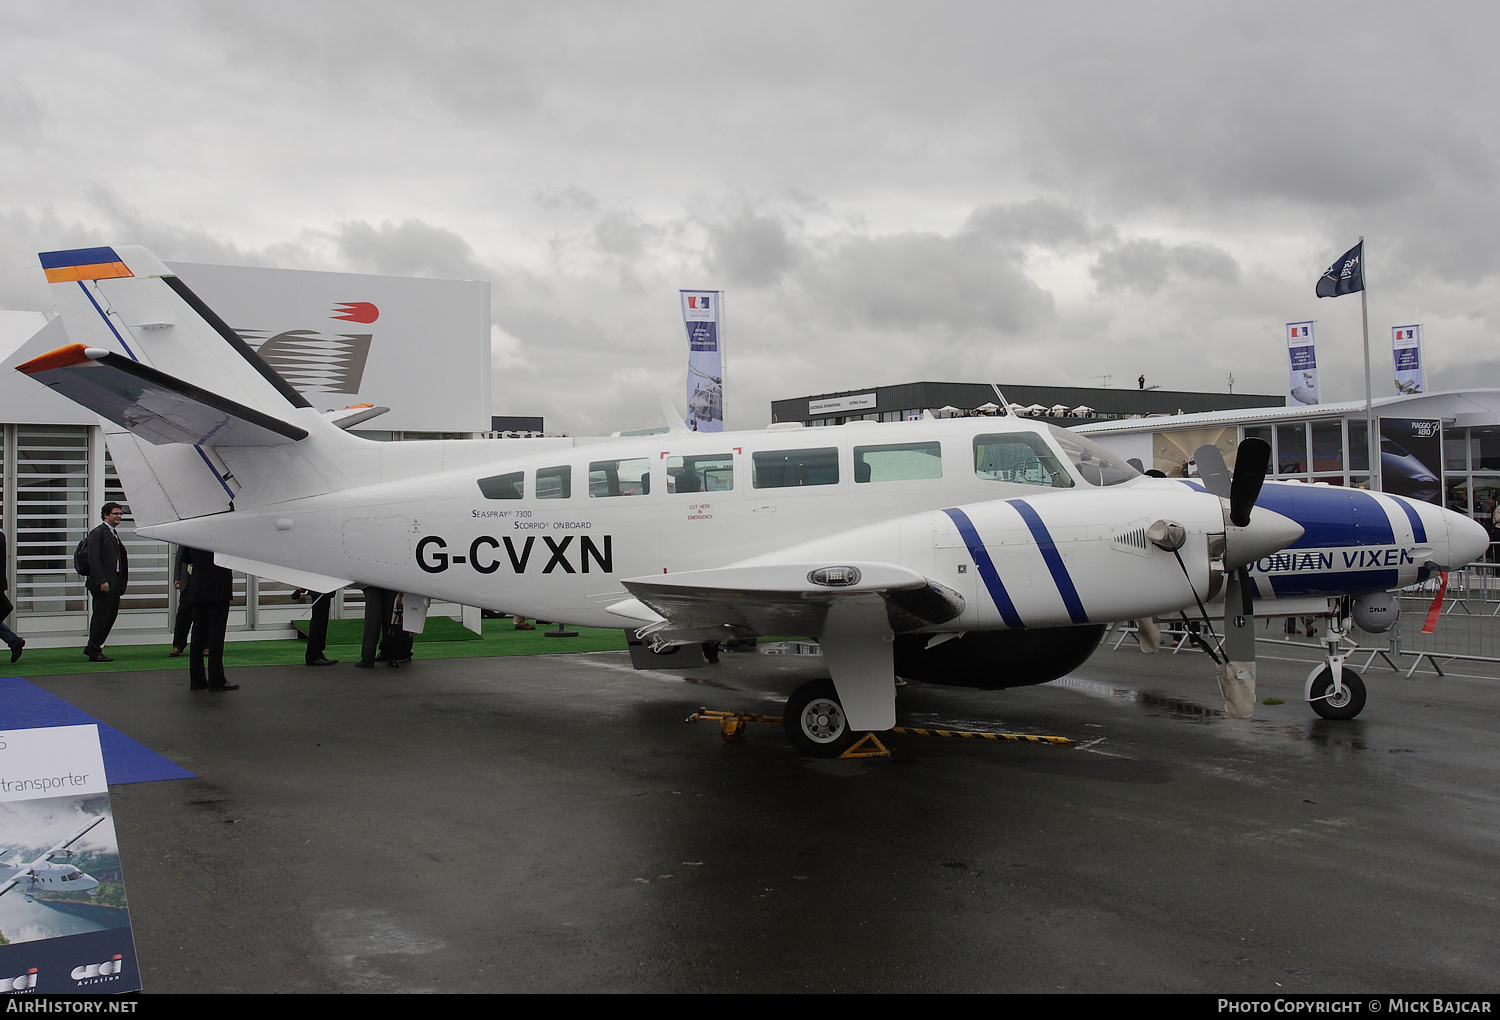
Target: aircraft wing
[
  {"x": 155, "y": 406},
  {"x": 783, "y": 598},
  {"x": 58, "y": 848}
]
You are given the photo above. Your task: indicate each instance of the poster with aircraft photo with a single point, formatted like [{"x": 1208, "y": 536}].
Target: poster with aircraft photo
[{"x": 64, "y": 922}]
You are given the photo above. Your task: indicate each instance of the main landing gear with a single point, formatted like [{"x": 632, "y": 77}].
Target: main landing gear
[{"x": 814, "y": 721}]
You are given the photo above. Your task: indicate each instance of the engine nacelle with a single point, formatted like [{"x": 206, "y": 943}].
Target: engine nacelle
[{"x": 993, "y": 660}]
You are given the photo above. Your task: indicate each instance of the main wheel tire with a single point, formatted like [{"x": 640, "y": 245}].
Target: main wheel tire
[
  {"x": 814, "y": 721},
  {"x": 1346, "y": 705}
]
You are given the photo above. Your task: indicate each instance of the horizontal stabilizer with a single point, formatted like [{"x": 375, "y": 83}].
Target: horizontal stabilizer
[
  {"x": 348, "y": 417},
  {"x": 157, "y": 407},
  {"x": 784, "y": 598},
  {"x": 286, "y": 575}
]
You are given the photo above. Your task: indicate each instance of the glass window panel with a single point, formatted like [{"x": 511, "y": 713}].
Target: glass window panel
[
  {"x": 1092, "y": 462},
  {"x": 780, "y": 469},
  {"x": 554, "y": 482},
  {"x": 1291, "y": 449},
  {"x": 1456, "y": 449},
  {"x": 1019, "y": 457},
  {"x": 898, "y": 462},
  {"x": 1328, "y": 445},
  {"x": 510, "y": 486},
  {"x": 1486, "y": 448},
  {"x": 620, "y": 477},
  {"x": 1359, "y": 445},
  {"x": 712, "y": 472}
]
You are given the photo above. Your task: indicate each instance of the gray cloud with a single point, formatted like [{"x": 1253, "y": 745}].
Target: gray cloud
[
  {"x": 1042, "y": 222},
  {"x": 410, "y": 248},
  {"x": 750, "y": 249},
  {"x": 924, "y": 281},
  {"x": 1147, "y": 265}
]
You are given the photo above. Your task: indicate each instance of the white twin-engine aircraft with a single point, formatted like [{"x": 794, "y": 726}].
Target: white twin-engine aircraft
[
  {"x": 974, "y": 552},
  {"x": 41, "y": 875}
]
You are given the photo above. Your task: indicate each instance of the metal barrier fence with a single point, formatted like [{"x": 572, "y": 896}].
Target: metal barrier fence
[
  {"x": 1467, "y": 630},
  {"x": 1468, "y": 625}
]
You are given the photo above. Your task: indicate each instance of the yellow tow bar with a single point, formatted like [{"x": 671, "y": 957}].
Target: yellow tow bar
[{"x": 731, "y": 724}]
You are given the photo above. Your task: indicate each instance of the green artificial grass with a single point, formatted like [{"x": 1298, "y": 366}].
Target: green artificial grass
[
  {"x": 439, "y": 628},
  {"x": 499, "y": 638}
]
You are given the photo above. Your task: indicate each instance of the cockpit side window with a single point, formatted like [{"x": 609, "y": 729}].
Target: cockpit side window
[
  {"x": 508, "y": 486},
  {"x": 1093, "y": 463},
  {"x": 1022, "y": 458}
]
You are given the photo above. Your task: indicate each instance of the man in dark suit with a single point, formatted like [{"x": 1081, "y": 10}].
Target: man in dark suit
[
  {"x": 208, "y": 589},
  {"x": 7, "y": 635},
  {"x": 109, "y": 574}
]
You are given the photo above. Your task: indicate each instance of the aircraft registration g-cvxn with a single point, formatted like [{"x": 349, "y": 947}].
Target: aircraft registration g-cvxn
[{"x": 985, "y": 552}]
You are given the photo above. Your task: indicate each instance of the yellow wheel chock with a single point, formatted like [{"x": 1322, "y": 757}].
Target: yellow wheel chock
[{"x": 732, "y": 726}]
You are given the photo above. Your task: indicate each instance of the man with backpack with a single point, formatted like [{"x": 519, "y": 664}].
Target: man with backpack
[{"x": 108, "y": 576}]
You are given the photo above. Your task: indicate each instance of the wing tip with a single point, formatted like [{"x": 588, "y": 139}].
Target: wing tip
[{"x": 63, "y": 357}]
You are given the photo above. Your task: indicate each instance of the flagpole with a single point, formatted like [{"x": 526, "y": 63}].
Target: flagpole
[{"x": 1371, "y": 439}]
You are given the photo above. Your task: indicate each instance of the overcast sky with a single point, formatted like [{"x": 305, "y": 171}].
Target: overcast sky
[{"x": 886, "y": 192}]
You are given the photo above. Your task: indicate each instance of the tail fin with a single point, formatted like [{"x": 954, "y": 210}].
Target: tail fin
[{"x": 186, "y": 397}]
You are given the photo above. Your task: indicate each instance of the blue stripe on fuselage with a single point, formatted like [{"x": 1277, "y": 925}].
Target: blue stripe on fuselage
[
  {"x": 986, "y": 568},
  {"x": 1053, "y": 559},
  {"x": 1330, "y": 516},
  {"x": 1343, "y": 528},
  {"x": 1419, "y": 532}
]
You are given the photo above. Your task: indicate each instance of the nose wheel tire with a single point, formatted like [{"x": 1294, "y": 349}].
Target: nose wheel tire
[
  {"x": 1346, "y": 704},
  {"x": 814, "y": 721}
]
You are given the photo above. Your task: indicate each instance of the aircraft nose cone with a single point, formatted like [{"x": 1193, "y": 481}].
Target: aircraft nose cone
[
  {"x": 1267, "y": 532},
  {"x": 1467, "y": 539}
]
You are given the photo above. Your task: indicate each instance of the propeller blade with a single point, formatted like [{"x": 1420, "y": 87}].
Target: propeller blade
[
  {"x": 1237, "y": 672},
  {"x": 1249, "y": 475},
  {"x": 1212, "y": 471}
]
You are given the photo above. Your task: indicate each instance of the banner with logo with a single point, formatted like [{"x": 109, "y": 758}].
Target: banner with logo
[
  {"x": 1411, "y": 458},
  {"x": 1304, "y": 364},
  {"x": 1406, "y": 349},
  {"x": 62, "y": 895},
  {"x": 701, "y": 314}
]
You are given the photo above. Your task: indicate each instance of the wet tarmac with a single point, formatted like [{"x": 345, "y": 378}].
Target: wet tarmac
[{"x": 550, "y": 824}]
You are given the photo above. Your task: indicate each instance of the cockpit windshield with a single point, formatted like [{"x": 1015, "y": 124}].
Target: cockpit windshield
[{"x": 1094, "y": 464}]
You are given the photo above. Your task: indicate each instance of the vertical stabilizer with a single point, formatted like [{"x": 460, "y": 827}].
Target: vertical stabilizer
[{"x": 189, "y": 406}]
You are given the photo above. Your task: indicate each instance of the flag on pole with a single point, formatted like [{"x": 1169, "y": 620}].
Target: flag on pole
[
  {"x": 1346, "y": 275},
  {"x": 1406, "y": 349},
  {"x": 1304, "y": 363}
]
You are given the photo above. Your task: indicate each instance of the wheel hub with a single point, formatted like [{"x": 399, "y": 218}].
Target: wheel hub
[{"x": 823, "y": 720}]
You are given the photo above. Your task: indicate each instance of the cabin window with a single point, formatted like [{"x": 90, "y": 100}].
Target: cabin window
[
  {"x": 511, "y": 486},
  {"x": 712, "y": 472},
  {"x": 1019, "y": 457},
  {"x": 898, "y": 463},
  {"x": 620, "y": 477},
  {"x": 781, "y": 469},
  {"x": 554, "y": 482}
]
